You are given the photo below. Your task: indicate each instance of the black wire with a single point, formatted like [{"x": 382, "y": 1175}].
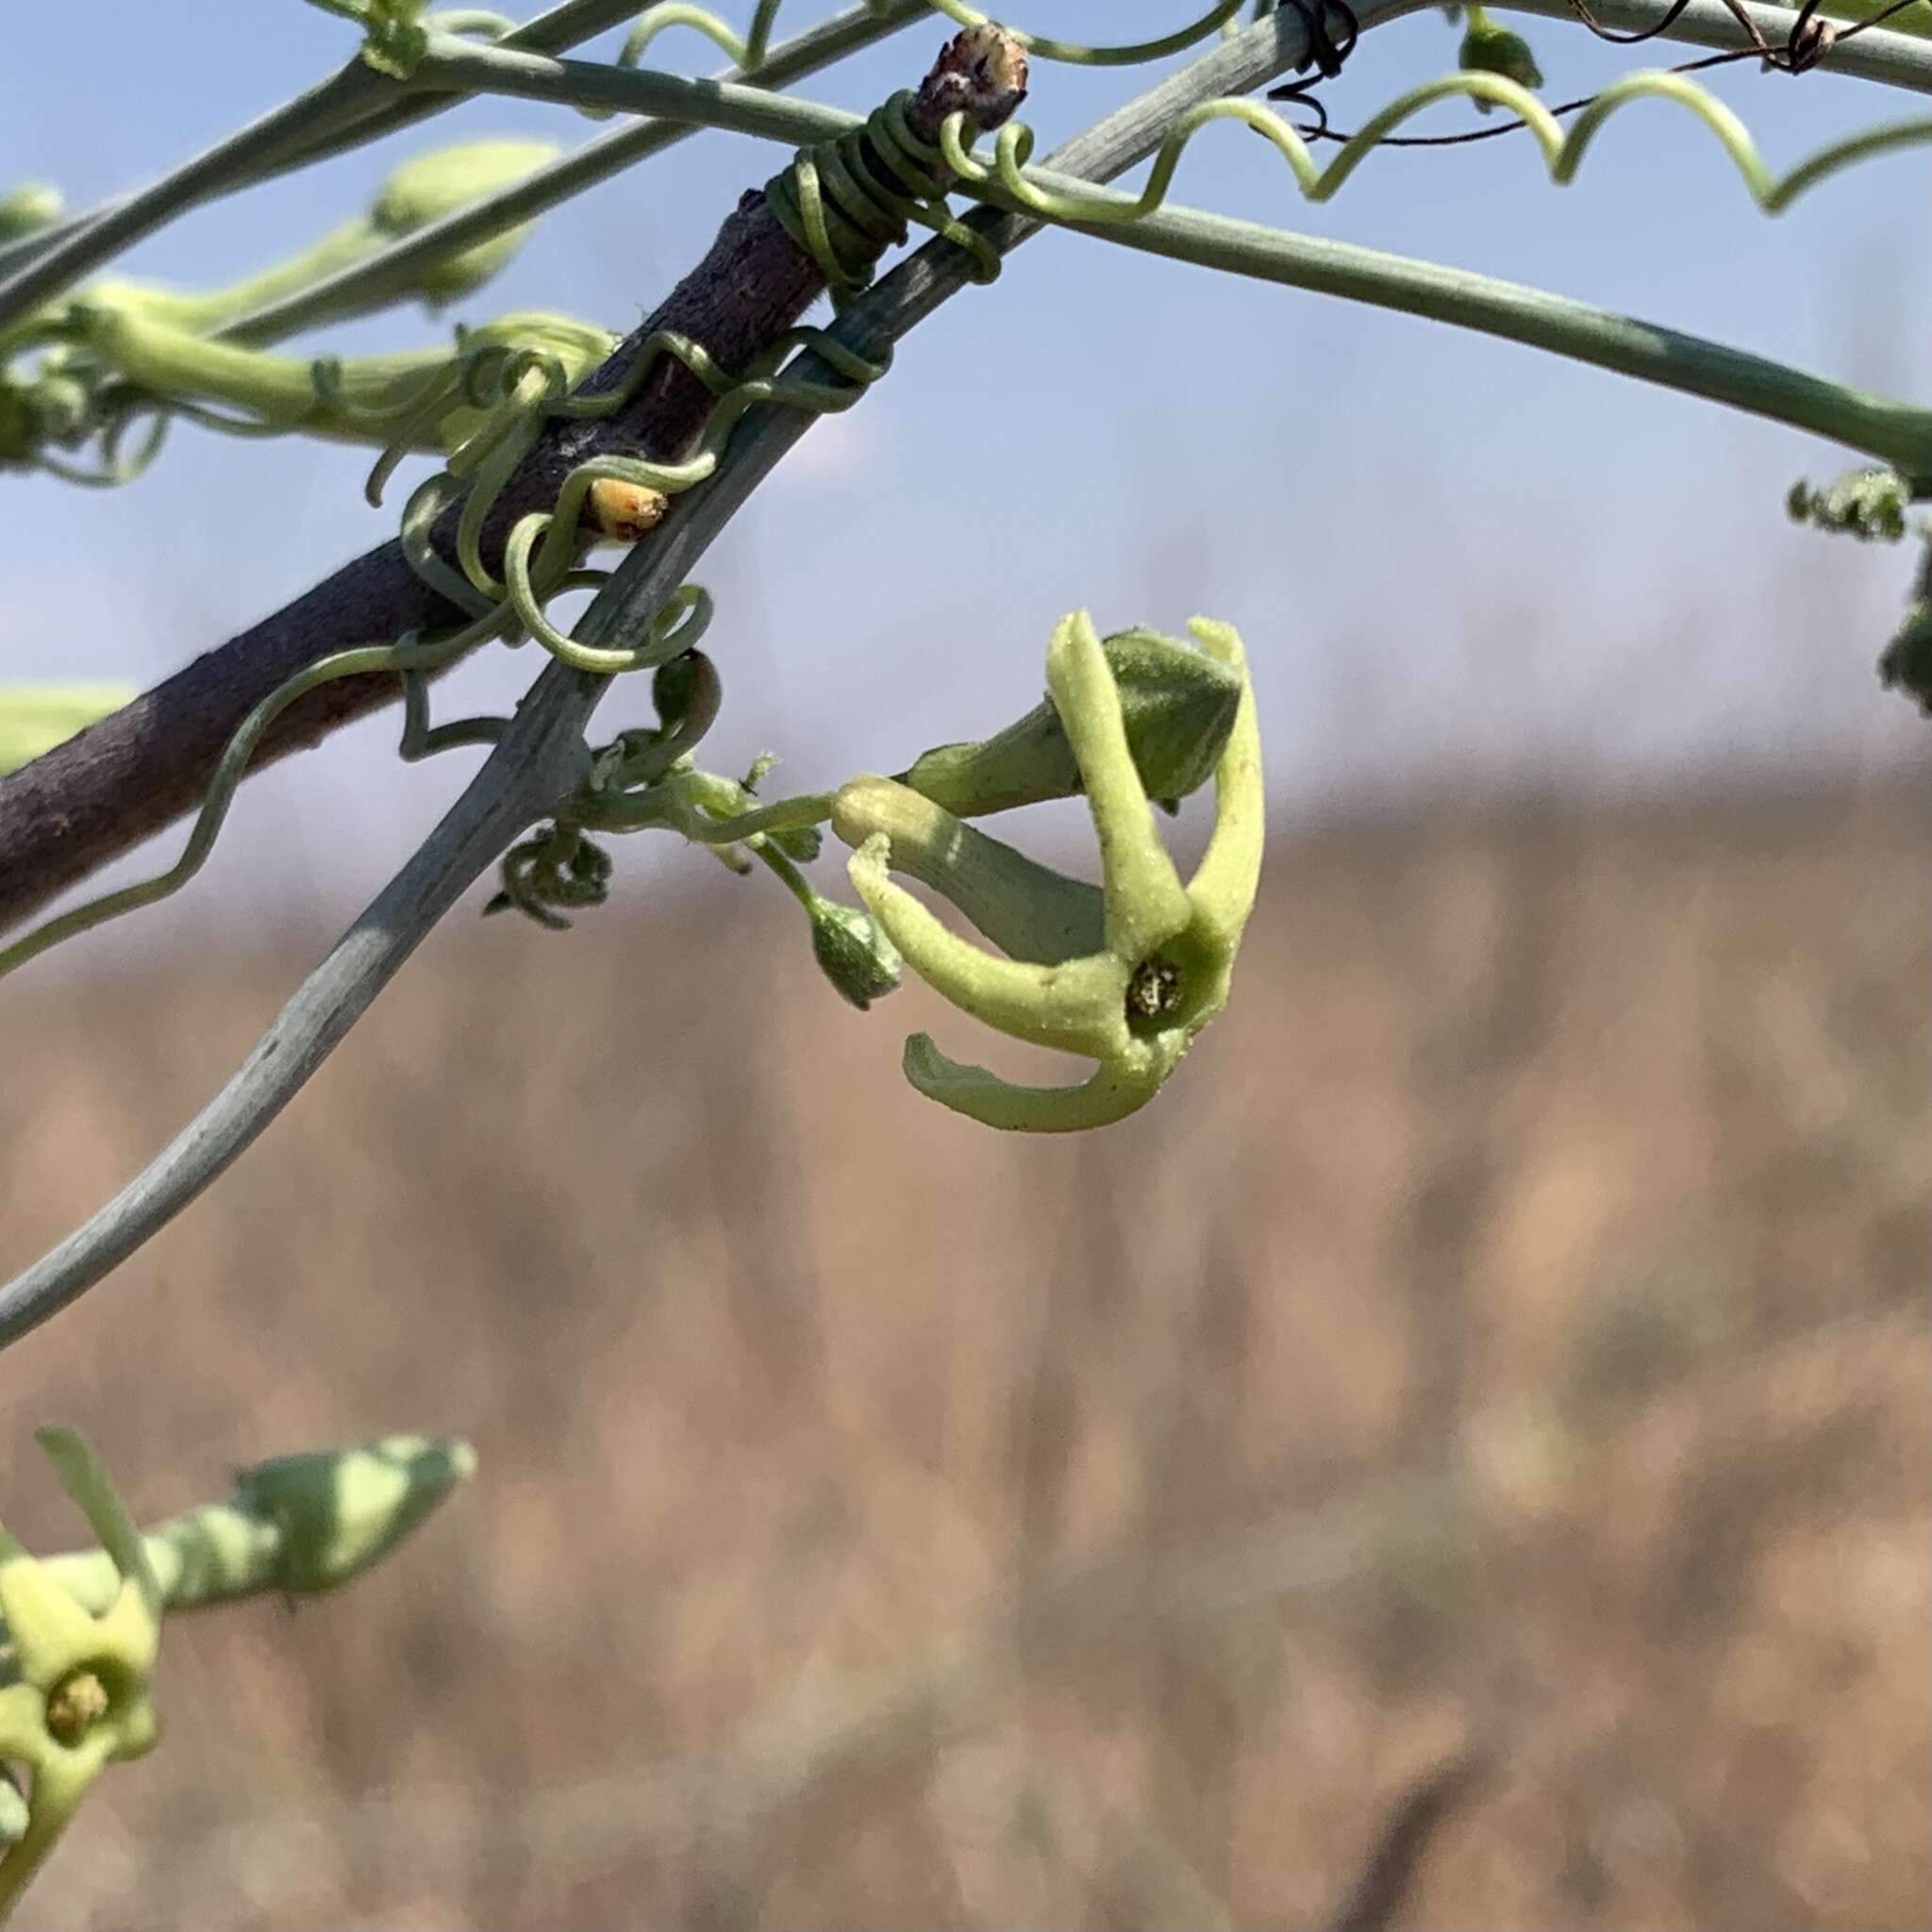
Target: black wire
[
  {"x": 1325, "y": 55},
  {"x": 1810, "y": 40}
]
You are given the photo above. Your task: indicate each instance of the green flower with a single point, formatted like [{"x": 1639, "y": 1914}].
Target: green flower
[
  {"x": 1129, "y": 974},
  {"x": 77, "y": 1699}
]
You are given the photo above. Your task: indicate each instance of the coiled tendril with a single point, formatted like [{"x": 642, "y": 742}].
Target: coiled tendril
[
  {"x": 1562, "y": 151},
  {"x": 845, "y": 202}
]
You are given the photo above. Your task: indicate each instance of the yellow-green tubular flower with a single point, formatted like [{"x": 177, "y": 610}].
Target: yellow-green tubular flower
[
  {"x": 412, "y": 394},
  {"x": 1130, "y": 983},
  {"x": 1024, "y": 908},
  {"x": 296, "y": 1524},
  {"x": 1180, "y": 705},
  {"x": 421, "y": 191},
  {"x": 75, "y": 1692},
  {"x": 36, "y": 717}
]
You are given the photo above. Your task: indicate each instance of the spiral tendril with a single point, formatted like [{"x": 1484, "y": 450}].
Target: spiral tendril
[{"x": 1562, "y": 151}]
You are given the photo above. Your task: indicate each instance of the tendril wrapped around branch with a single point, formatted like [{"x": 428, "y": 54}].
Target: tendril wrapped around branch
[{"x": 499, "y": 393}]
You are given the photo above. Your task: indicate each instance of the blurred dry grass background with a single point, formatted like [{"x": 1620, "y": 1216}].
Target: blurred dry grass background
[{"x": 1461, "y": 1460}]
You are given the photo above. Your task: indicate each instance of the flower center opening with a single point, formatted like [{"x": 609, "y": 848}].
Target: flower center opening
[
  {"x": 74, "y": 1705},
  {"x": 1154, "y": 988}
]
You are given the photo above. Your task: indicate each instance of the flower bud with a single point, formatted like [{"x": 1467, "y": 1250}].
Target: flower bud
[
  {"x": 685, "y": 694},
  {"x": 1488, "y": 48},
  {"x": 340, "y": 1510},
  {"x": 1179, "y": 705},
  {"x": 852, "y": 951},
  {"x": 30, "y": 206},
  {"x": 429, "y": 186},
  {"x": 394, "y": 36}
]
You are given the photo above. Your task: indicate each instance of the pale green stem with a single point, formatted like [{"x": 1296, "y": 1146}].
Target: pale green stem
[
  {"x": 1878, "y": 426},
  {"x": 455, "y": 64},
  {"x": 1881, "y": 426},
  {"x": 354, "y": 106},
  {"x": 396, "y": 270}
]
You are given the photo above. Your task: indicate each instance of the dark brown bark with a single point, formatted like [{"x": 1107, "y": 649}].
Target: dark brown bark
[{"x": 91, "y": 799}]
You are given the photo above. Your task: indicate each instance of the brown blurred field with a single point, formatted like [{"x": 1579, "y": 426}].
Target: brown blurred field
[{"x": 1460, "y": 1461}]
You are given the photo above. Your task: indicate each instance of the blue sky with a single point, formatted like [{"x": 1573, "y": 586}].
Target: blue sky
[{"x": 1447, "y": 555}]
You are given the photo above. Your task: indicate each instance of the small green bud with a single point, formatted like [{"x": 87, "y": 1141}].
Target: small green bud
[
  {"x": 852, "y": 951},
  {"x": 1179, "y": 705},
  {"x": 685, "y": 691},
  {"x": 340, "y": 1510},
  {"x": 1488, "y": 48},
  {"x": 33, "y": 205},
  {"x": 395, "y": 36},
  {"x": 429, "y": 186}
]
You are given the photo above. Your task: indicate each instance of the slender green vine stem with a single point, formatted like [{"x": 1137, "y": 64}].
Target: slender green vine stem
[
  {"x": 542, "y": 757},
  {"x": 1895, "y": 432},
  {"x": 670, "y": 804},
  {"x": 321, "y": 109},
  {"x": 457, "y": 65},
  {"x": 1874, "y": 424},
  {"x": 1883, "y": 54},
  {"x": 371, "y": 283}
]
